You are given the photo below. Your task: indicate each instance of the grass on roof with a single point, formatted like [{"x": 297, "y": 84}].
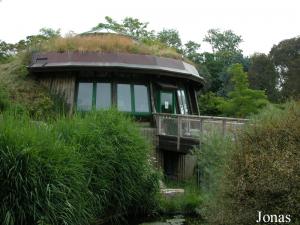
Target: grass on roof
[{"x": 106, "y": 43}]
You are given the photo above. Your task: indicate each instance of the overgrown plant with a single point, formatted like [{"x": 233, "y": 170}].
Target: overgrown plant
[
  {"x": 261, "y": 172},
  {"x": 119, "y": 172},
  {"x": 42, "y": 180}
]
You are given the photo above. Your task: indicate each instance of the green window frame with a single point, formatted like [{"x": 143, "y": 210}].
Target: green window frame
[
  {"x": 114, "y": 101},
  {"x": 173, "y": 105},
  {"x": 133, "y": 99},
  {"x": 93, "y": 96}
]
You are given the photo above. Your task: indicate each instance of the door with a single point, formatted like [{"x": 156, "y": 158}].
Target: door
[{"x": 166, "y": 102}]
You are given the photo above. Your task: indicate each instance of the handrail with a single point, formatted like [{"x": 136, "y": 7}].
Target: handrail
[
  {"x": 201, "y": 117},
  {"x": 194, "y": 126}
]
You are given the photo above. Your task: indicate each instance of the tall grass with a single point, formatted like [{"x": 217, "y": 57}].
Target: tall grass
[
  {"x": 105, "y": 43},
  {"x": 41, "y": 180},
  {"x": 88, "y": 168},
  {"x": 119, "y": 173},
  {"x": 260, "y": 173}
]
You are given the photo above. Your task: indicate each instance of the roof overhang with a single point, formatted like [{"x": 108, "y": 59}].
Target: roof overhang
[{"x": 68, "y": 60}]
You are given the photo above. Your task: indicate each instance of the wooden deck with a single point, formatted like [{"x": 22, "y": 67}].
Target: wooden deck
[
  {"x": 181, "y": 132},
  {"x": 175, "y": 135}
]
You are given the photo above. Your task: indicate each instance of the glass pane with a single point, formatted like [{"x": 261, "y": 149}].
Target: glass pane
[
  {"x": 103, "y": 96},
  {"x": 180, "y": 103},
  {"x": 184, "y": 102},
  {"x": 141, "y": 98},
  {"x": 124, "y": 97},
  {"x": 166, "y": 102},
  {"x": 85, "y": 96}
]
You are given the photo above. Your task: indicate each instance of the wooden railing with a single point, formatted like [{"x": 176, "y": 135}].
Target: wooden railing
[{"x": 193, "y": 127}]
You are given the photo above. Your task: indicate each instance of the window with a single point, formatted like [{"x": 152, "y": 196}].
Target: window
[
  {"x": 141, "y": 99},
  {"x": 103, "y": 96},
  {"x": 124, "y": 97},
  {"x": 85, "y": 96},
  {"x": 166, "y": 102},
  {"x": 183, "y": 107},
  {"x": 132, "y": 98}
]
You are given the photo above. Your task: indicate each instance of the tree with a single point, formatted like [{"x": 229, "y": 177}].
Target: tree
[
  {"x": 129, "y": 26},
  {"x": 286, "y": 57},
  {"x": 242, "y": 101},
  {"x": 263, "y": 76},
  {"x": 171, "y": 38},
  {"x": 6, "y": 51},
  {"x": 226, "y": 41},
  {"x": 226, "y": 51},
  {"x": 34, "y": 40},
  {"x": 190, "y": 51}
]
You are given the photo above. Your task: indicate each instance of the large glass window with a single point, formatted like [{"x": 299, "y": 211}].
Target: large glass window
[
  {"x": 183, "y": 107},
  {"x": 141, "y": 99},
  {"x": 124, "y": 97},
  {"x": 103, "y": 96},
  {"x": 85, "y": 96}
]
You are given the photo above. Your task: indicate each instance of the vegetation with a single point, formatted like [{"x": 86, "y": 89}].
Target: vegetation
[
  {"x": 241, "y": 101},
  {"x": 106, "y": 43},
  {"x": 19, "y": 90},
  {"x": 185, "y": 203},
  {"x": 42, "y": 180},
  {"x": 116, "y": 157},
  {"x": 257, "y": 172},
  {"x": 74, "y": 171}
]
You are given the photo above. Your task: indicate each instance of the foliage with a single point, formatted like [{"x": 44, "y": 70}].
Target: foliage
[
  {"x": 119, "y": 173},
  {"x": 6, "y": 51},
  {"x": 4, "y": 98},
  {"x": 263, "y": 76},
  {"x": 42, "y": 180},
  {"x": 129, "y": 26},
  {"x": 212, "y": 158},
  {"x": 209, "y": 104},
  {"x": 74, "y": 170},
  {"x": 25, "y": 92},
  {"x": 286, "y": 57},
  {"x": 171, "y": 38},
  {"x": 242, "y": 101},
  {"x": 226, "y": 41},
  {"x": 185, "y": 203},
  {"x": 261, "y": 172}
]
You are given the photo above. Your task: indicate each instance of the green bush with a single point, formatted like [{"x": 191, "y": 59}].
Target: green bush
[
  {"x": 119, "y": 173},
  {"x": 41, "y": 180},
  {"x": 261, "y": 172}
]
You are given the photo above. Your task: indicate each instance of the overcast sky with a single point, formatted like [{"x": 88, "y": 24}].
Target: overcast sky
[{"x": 261, "y": 23}]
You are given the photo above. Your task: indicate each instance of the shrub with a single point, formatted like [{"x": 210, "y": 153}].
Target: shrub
[
  {"x": 41, "y": 180},
  {"x": 262, "y": 172},
  {"x": 119, "y": 173},
  {"x": 211, "y": 161}
]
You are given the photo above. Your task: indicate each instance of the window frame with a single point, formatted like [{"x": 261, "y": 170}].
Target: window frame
[
  {"x": 133, "y": 111},
  {"x": 114, "y": 95},
  {"x": 173, "y": 100}
]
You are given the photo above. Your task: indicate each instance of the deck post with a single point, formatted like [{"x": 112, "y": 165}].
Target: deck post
[{"x": 178, "y": 132}]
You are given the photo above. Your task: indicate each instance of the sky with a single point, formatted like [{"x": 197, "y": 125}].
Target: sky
[{"x": 261, "y": 23}]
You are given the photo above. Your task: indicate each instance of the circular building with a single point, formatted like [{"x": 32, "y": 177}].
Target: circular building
[{"x": 156, "y": 90}]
